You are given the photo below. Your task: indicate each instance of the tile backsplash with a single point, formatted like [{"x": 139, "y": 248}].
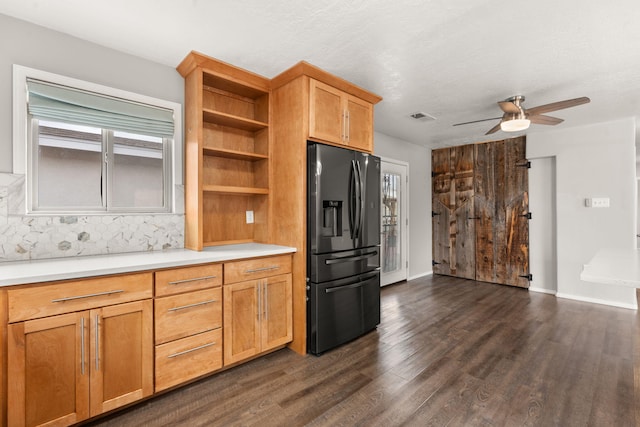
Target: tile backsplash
[{"x": 25, "y": 237}]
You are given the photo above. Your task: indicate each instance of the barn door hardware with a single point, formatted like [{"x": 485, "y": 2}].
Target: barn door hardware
[
  {"x": 527, "y": 215},
  {"x": 434, "y": 263},
  {"x": 474, "y": 217},
  {"x": 434, "y": 214},
  {"x": 526, "y": 164},
  {"x": 529, "y": 276}
]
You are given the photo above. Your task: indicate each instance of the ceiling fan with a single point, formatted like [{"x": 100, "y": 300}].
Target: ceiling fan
[{"x": 517, "y": 118}]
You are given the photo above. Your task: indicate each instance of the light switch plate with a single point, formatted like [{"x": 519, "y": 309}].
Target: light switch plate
[
  {"x": 597, "y": 202},
  {"x": 249, "y": 215}
]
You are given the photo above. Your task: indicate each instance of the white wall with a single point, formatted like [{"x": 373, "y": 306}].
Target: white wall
[
  {"x": 591, "y": 161},
  {"x": 37, "y": 47},
  {"x": 543, "y": 256},
  {"x": 419, "y": 159}
]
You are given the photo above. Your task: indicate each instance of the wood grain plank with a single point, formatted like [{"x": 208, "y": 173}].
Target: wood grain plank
[
  {"x": 502, "y": 203},
  {"x": 290, "y": 105},
  {"x": 465, "y": 248}
]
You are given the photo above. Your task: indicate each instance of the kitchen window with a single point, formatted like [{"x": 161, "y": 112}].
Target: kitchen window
[{"x": 92, "y": 149}]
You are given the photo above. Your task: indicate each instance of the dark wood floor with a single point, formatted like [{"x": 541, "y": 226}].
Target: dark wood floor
[{"x": 448, "y": 352}]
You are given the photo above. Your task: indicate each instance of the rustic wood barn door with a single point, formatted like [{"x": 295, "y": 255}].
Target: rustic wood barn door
[
  {"x": 480, "y": 212},
  {"x": 453, "y": 224},
  {"x": 502, "y": 208}
]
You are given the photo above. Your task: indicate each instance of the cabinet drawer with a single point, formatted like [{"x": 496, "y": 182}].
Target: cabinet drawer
[
  {"x": 187, "y": 314},
  {"x": 238, "y": 271},
  {"x": 177, "y": 280},
  {"x": 188, "y": 358},
  {"x": 66, "y": 297}
]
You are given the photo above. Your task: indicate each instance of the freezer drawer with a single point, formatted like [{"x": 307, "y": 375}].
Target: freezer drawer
[{"x": 342, "y": 310}]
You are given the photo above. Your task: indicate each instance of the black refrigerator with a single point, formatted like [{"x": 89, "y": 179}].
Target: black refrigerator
[{"x": 343, "y": 245}]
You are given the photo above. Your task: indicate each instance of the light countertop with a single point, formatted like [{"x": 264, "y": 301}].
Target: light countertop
[
  {"x": 614, "y": 267},
  {"x": 21, "y": 272}
]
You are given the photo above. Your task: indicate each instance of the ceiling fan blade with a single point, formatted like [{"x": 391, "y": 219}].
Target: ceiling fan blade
[
  {"x": 477, "y": 121},
  {"x": 494, "y": 129},
  {"x": 509, "y": 107},
  {"x": 545, "y": 120},
  {"x": 560, "y": 105}
]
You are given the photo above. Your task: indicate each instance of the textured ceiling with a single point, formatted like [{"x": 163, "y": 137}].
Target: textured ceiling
[{"x": 452, "y": 60}]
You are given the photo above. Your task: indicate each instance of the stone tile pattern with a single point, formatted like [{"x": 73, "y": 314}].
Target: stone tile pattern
[{"x": 25, "y": 237}]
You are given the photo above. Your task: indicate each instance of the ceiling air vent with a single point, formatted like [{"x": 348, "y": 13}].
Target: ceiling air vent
[{"x": 423, "y": 117}]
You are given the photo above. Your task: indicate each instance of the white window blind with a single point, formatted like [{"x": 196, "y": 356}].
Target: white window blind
[{"x": 60, "y": 103}]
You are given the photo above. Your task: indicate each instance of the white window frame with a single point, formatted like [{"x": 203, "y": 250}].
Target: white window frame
[{"x": 21, "y": 123}]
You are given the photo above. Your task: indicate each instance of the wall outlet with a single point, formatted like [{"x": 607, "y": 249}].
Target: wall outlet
[
  {"x": 249, "y": 215},
  {"x": 596, "y": 202}
]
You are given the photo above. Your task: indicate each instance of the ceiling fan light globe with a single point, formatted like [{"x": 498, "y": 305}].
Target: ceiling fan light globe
[{"x": 515, "y": 125}]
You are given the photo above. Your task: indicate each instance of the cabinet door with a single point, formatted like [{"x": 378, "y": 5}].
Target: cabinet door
[
  {"x": 326, "y": 113},
  {"x": 48, "y": 377},
  {"x": 277, "y": 311},
  {"x": 241, "y": 321},
  {"x": 121, "y": 341},
  {"x": 360, "y": 124}
]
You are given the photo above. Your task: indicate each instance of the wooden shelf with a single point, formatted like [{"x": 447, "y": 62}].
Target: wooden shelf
[
  {"x": 245, "y": 89},
  {"x": 227, "y": 161},
  {"x": 242, "y": 191},
  {"x": 234, "y": 154},
  {"x": 228, "y": 242},
  {"x": 224, "y": 119}
]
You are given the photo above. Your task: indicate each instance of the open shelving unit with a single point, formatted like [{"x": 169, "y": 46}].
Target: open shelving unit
[{"x": 226, "y": 153}]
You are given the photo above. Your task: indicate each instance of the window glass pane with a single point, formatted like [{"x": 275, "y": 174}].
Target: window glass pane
[
  {"x": 69, "y": 166},
  {"x": 137, "y": 171},
  {"x": 390, "y": 223}
]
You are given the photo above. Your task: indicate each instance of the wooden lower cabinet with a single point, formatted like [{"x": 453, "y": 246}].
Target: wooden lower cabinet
[
  {"x": 187, "y": 358},
  {"x": 66, "y": 368},
  {"x": 49, "y": 370},
  {"x": 114, "y": 340},
  {"x": 122, "y": 365},
  {"x": 188, "y": 325},
  {"x": 257, "y": 316}
]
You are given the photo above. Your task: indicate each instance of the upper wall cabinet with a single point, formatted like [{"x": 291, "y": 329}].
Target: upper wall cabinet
[
  {"x": 226, "y": 153},
  {"x": 339, "y": 117},
  {"x": 340, "y": 113}
]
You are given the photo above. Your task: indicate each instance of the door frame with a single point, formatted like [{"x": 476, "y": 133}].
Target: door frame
[{"x": 403, "y": 273}]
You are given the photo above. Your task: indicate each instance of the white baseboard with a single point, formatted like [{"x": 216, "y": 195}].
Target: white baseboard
[
  {"x": 542, "y": 290},
  {"x": 633, "y": 306},
  {"x": 417, "y": 276}
]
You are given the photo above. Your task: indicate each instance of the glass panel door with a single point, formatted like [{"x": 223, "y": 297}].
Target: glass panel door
[{"x": 393, "y": 239}]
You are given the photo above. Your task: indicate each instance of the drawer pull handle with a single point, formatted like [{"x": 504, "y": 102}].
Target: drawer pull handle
[
  {"x": 195, "y": 279},
  {"x": 99, "y": 294},
  {"x": 82, "y": 355},
  {"x": 257, "y": 270},
  {"x": 97, "y": 343},
  {"x": 171, "y": 356},
  {"x": 182, "y": 307}
]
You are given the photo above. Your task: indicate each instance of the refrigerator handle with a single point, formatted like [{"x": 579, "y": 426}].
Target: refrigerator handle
[
  {"x": 350, "y": 258},
  {"x": 361, "y": 200},
  {"x": 353, "y": 194}
]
